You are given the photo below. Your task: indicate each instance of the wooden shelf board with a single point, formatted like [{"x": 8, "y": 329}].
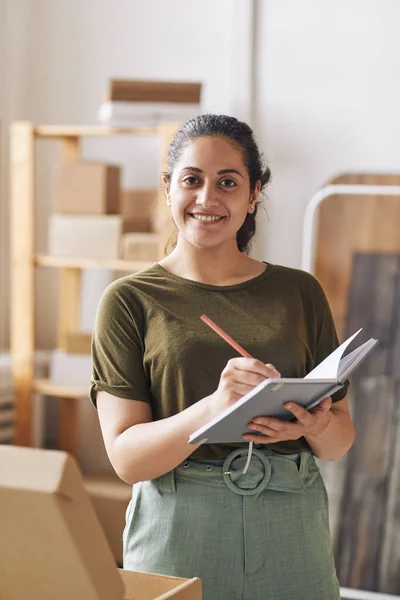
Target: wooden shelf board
[
  {"x": 47, "y": 388},
  {"x": 43, "y": 260},
  {"x": 60, "y": 131}
]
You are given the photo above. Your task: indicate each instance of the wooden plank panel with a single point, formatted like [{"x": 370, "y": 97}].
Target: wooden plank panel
[
  {"x": 390, "y": 555},
  {"x": 364, "y": 506},
  {"x": 22, "y": 275},
  {"x": 372, "y": 304},
  {"x": 389, "y": 573},
  {"x": 369, "y": 527},
  {"x": 367, "y": 179},
  {"x": 348, "y": 224},
  {"x": 394, "y": 359}
]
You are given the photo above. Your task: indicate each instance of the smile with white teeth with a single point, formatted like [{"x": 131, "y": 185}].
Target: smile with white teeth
[{"x": 208, "y": 218}]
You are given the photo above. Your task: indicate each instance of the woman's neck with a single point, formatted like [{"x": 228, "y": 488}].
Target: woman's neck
[{"x": 222, "y": 266}]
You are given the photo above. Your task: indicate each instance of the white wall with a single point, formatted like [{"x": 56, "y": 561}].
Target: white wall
[
  {"x": 328, "y": 97},
  {"x": 59, "y": 58}
]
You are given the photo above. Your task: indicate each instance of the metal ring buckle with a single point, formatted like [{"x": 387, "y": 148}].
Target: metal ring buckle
[{"x": 235, "y": 488}]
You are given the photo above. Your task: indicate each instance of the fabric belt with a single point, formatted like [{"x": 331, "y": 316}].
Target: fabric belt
[{"x": 268, "y": 470}]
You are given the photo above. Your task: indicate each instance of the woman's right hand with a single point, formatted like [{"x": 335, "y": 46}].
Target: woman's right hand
[{"x": 238, "y": 378}]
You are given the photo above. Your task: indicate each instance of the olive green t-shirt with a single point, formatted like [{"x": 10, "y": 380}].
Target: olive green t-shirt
[{"x": 149, "y": 343}]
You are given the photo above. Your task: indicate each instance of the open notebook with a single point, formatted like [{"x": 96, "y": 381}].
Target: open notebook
[{"x": 268, "y": 397}]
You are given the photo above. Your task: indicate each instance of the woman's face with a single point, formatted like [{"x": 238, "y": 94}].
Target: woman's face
[{"x": 209, "y": 192}]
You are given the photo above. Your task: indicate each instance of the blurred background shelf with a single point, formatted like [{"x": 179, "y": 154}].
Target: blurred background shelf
[
  {"x": 24, "y": 260},
  {"x": 47, "y": 388},
  {"x": 56, "y": 131},
  {"x": 45, "y": 260}
]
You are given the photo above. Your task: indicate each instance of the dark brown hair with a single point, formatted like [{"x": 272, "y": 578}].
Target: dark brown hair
[{"x": 242, "y": 135}]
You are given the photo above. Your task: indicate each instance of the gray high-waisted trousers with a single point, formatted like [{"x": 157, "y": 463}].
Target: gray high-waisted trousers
[{"x": 259, "y": 536}]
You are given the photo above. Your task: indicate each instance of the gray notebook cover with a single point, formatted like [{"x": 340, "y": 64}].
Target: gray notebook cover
[{"x": 265, "y": 400}]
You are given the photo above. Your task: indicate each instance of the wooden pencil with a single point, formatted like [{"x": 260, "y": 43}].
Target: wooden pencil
[{"x": 225, "y": 336}]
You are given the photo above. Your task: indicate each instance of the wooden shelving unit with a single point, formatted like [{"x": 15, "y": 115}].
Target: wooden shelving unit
[{"x": 24, "y": 260}]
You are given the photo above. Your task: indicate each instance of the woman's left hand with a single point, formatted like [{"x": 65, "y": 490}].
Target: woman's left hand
[{"x": 274, "y": 430}]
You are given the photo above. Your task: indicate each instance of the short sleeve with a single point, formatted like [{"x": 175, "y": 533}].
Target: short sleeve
[
  {"x": 117, "y": 346},
  {"x": 326, "y": 336}
]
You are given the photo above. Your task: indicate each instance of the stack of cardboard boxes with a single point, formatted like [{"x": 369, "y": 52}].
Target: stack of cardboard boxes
[
  {"x": 94, "y": 218},
  {"x": 86, "y": 221},
  {"x": 131, "y": 103}
]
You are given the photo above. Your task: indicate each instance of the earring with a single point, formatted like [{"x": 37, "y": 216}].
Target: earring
[
  {"x": 168, "y": 202},
  {"x": 251, "y": 208}
]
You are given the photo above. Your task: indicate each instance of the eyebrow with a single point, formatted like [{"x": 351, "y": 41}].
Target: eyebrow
[{"x": 221, "y": 172}]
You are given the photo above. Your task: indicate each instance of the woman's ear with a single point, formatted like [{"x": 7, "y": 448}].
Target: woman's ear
[
  {"x": 165, "y": 183},
  {"x": 254, "y": 196}
]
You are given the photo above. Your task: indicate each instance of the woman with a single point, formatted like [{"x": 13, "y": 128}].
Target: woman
[{"x": 159, "y": 373}]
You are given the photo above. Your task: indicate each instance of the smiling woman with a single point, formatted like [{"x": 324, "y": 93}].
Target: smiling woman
[
  {"x": 159, "y": 374},
  {"x": 213, "y": 161}
]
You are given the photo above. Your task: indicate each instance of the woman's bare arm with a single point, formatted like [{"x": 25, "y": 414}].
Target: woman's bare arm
[{"x": 139, "y": 448}]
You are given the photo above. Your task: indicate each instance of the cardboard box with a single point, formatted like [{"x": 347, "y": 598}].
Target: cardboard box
[
  {"x": 86, "y": 187},
  {"x": 78, "y": 343},
  {"x": 110, "y": 498},
  {"x": 52, "y": 545},
  {"x": 78, "y": 236},
  {"x": 137, "y": 226},
  {"x": 136, "y": 209},
  {"x": 70, "y": 369},
  {"x": 131, "y": 90},
  {"x": 140, "y": 246}
]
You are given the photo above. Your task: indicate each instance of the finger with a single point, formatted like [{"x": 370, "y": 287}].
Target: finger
[
  {"x": 283, "y": 430},
  {"x": 325, "y": 405},
  {"x": 274, "y": 371},
  {"x": 275, "y": 424},
  {"x": 241, "y": 388},
  {"x": 247, "y": 378},
  {"x": 302, "y": 415},
  {"x": 263, "y": 428},
  {"x": 254, "y": 366}
]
